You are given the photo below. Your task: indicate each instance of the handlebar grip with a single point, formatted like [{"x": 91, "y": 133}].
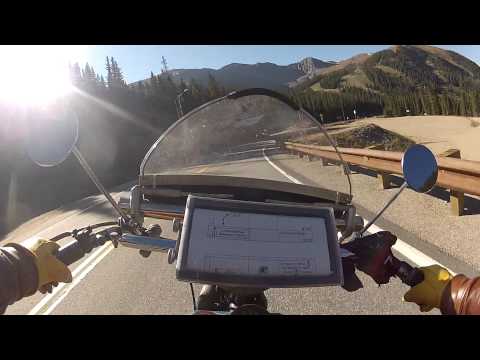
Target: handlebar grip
[
  {"x": 409, "y": 275},
  {"x": 70, "y": 253}
]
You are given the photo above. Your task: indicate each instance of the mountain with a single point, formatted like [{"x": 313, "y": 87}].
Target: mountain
[
  {"x": 310, "y": 65},
  {"x": 400, "y": 68},
  {"x": 239, "y": 76},
  {"x": 402, "y": 79},
  {"x": 398, "y": 81}
]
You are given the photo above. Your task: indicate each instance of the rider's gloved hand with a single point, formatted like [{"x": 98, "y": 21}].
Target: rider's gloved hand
[
  {"x": 428, "y": 293},
  {"x": 51, "y": 271}
]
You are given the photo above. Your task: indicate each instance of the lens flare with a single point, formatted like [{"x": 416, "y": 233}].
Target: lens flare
[{"x": 35, "y": 75}]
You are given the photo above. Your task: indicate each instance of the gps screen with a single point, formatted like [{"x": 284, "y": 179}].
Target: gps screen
[
  {"x": 228, "y": 242},
  {"x": 240, "y": 242}
]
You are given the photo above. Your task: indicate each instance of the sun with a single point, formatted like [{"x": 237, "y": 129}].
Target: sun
[{"x": 36, "y": 75}]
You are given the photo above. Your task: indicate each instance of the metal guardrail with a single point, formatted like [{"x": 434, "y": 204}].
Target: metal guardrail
[{"x": 459, "y": 176}]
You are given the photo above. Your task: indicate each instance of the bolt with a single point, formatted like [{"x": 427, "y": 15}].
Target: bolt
[
  {"x": 145, "y": 253},
  {"x": 154, "y": 230},
  {"x": 100, "y": 239}
]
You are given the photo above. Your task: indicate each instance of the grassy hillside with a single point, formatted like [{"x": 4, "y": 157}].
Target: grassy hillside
[
  {"x": 401, "y": 69},
  {"x": 399, "y": 81}
]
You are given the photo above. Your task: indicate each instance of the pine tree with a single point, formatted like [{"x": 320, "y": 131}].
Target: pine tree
[
  {"x": 182, "y": 86},
  {"x": 473, "y": 103},
  {"x": 103, "y": 85},
  {"x": 154, "y": 84},
  {"x": 423, "y": 103},
  {"x": 171, "y": 87},
  {"x": 463, "y": 105},
  {"x": 90, "y": 77},
  {"x": 108, "y": 67},
  {"x": 448, "y": 105},
  {"x": 75, "y": 74},
  {"x": 213, "y": 87},
  {"x": 443, "y": 105},
  {"x": 140, "y": 87},
  {"x": 117, "y": 74},
  {"x": 87, "y": 72},
  {"x": 223, "y": 91},
  {"x": 195, "y": 90},
  {"x": 434, "y": 105}
]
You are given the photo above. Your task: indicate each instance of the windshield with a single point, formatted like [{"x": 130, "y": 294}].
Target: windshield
[{"x": 244, "y": 134}]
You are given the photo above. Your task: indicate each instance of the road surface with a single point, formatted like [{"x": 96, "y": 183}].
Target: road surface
[{"x": 120, "y": 281}]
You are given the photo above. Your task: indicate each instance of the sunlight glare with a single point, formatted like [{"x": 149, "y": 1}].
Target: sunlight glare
[{"x": 35, "y": 75}]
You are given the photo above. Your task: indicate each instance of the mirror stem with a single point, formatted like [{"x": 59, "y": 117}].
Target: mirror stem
[
  {"x": 98, "y": 184},
  {"x": 404, "y": 185}
]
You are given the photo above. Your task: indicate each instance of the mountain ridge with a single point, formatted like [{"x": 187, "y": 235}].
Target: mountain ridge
[
  {"x": 238, "y": 75},
  {"x": 398, "y": 67}
]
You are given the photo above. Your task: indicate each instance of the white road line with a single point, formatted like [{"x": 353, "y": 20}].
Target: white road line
[
  {"x": 56, "y": 291},
  {"x": 62, "y": 290},
  {"x": 77, "y": 274},
  {"x": 79, "y": 278},
  {"x": 416, "y": 256},
  {"x": 94, "y": 258},
  {"x": 291, "y": 178}
]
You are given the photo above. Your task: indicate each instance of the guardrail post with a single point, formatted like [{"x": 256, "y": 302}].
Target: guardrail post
[
  {"x": 385, "y": 180},
  {"x": 457, "y": 202},
  {"x": 457, "y": 198}
]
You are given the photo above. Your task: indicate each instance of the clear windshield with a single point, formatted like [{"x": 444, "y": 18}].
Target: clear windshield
[{"x": 245, "y": 136}]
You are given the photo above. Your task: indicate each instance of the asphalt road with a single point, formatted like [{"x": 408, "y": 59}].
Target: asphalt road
[{"x": 120, "y": 281}]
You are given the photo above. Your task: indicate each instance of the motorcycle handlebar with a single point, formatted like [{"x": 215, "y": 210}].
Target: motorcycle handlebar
[
  {"x": 84, "y": 243},
  {"x": 70, "y": 253},
  {"x": 408, "y": 274}
]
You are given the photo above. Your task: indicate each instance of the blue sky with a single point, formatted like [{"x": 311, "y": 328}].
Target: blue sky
[{"x": 137, "y": 61}]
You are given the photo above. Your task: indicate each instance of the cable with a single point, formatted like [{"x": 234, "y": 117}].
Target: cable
[
  {"x": 193, "y": 298},
  {"x": 69, "y": 233},
  {"x": 108, "y": 223}
]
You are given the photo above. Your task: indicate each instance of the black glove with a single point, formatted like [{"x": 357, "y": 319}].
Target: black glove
[
  {"x": 351, "y": 282},
  {"x": 371, "y": 254}
]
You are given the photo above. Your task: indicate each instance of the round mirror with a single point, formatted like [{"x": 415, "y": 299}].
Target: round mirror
[
  {"x": 420, "y": 169},
  {"x": 51, "y": 136}
]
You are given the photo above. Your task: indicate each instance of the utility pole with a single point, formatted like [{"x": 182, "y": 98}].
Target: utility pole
[{"x": 164, "y": 65}]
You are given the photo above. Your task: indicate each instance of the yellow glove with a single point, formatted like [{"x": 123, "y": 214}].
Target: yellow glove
[
  {"x": 51, "y": 271},
  {"x": 428, "y": 293}
]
